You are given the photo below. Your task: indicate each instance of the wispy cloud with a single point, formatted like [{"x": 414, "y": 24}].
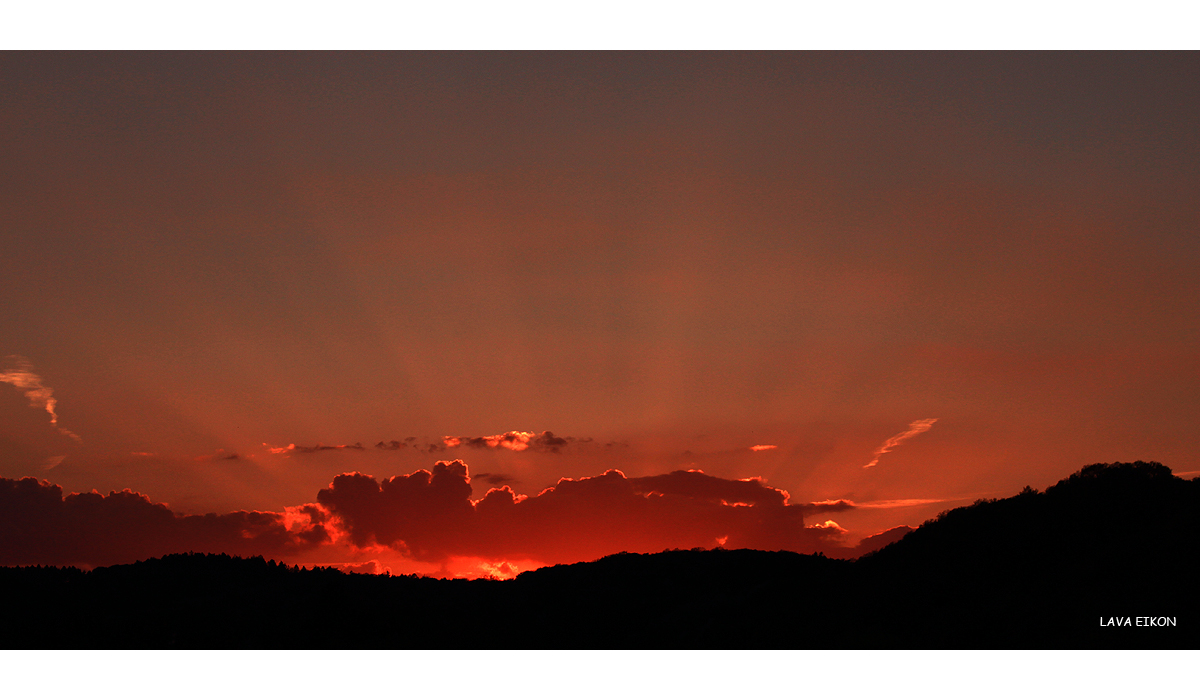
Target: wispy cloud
[
  {"x": 293, "y": 447},
  {"x": 760, "y": 448},
  {"x": 914, "y": 428},
  {"x": 219, "y": 454},
  {"x": 39, "y": 395}
]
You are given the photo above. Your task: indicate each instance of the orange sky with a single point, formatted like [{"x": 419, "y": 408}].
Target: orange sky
[{"x": 669, "y": 258}]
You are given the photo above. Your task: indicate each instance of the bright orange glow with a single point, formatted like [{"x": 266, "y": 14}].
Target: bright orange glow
[{"x": 499, "y": 570}]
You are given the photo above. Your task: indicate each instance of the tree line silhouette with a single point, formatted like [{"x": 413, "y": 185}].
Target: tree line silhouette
[{"x": 1036, "y": 570}]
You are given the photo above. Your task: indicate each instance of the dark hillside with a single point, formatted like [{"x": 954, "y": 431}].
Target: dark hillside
[
  {"x": 679, "y": 599},
  {"x": 1037, "y": 570},
  {"x": 1043, "y": 568}
]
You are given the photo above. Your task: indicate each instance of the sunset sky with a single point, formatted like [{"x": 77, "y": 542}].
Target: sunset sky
[{"x": 874, "y": 285}]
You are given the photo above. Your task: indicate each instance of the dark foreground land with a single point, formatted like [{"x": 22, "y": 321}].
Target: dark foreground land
[{"x": 1061, "y": 569}]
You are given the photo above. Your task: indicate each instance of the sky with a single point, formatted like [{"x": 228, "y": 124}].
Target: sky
[{"x": 472, "y": 313}]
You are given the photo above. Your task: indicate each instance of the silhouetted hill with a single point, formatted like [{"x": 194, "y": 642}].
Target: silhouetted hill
[
  {"x": 1037, "y": 570},
  {"x": 1043, "y": 568}
]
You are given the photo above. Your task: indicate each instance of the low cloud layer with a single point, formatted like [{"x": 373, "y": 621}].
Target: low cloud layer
[
  {"x": 39, "y": 525},
  {"x": 22, "y": 376},
  {"x": 429, "y": 516}
]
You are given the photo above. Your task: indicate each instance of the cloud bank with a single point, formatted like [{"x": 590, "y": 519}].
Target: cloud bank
[
  {"x": 429, "y": 516},
  {"x": 39, "y": 525}
]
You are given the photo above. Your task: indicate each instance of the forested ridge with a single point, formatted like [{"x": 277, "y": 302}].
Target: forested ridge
[{"x": 1036, "y": 570}]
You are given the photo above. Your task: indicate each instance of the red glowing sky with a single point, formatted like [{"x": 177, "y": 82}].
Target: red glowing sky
[{"x": 972, "y": 272}]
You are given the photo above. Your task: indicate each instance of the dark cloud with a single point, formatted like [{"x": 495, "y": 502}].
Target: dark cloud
[
  {"x": 494, "y": 479},
  {"x": 421, "y": 514},
  {"x": 218, "y": 455},
  {"x": 696, "y": 484},
  {"x": 428, "y": 447},
  {"x": 309, "y": 450},
  {"x": 430, "y": 516},
  {"x": 828, "y": 506},
  {"x": 39, "y": 525},
  {"x": 516, "y": 440},
  {"x": 319, "y": 447}
]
